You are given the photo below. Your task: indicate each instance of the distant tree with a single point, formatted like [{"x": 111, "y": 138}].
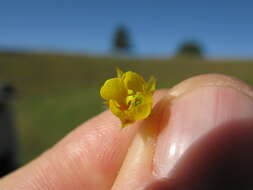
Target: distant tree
[
  {"x": 121, "y": 41},
  {"x": 190, "y": 49}
]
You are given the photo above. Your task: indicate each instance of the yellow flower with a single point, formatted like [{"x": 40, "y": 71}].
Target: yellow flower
[{"x": 128, "y": 96}]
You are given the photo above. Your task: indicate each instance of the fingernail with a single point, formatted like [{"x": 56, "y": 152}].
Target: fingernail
[{"x": 193, "y": 115}]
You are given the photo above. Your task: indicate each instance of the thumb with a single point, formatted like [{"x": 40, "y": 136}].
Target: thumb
[{"x": 172, "y": 145}]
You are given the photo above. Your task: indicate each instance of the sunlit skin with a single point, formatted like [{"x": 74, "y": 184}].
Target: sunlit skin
[{"x": 128, "y": 96}]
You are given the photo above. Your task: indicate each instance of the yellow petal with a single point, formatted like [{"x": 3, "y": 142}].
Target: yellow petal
[
  {"x": 115, "y": 107},
  {"x": 142, "y": 111},
  {"x": 114, "y": 89},
  {"x": 133, "y": 81},
  {"x": 119, "y": 72},
  {"x": 151, "y": 85},
  {"x": 122, "y": 115},
  {"x": 138, "y": 111}
]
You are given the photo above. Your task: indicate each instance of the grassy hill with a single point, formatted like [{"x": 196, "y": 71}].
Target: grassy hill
[{"x": 57, "y": 92}]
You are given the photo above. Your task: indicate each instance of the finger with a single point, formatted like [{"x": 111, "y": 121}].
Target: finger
[
  {"x": 192, "y": 113},
  {"x": 88, "y": 158}
]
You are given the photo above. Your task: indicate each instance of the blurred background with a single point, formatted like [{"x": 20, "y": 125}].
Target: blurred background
[{"x": 55, "y": 55}]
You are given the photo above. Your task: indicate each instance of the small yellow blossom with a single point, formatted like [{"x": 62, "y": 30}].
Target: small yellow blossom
[{"x": 128, "y": 96}]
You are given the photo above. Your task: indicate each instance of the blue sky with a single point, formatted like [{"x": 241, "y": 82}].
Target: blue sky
[{"x": 224, "y": 27}]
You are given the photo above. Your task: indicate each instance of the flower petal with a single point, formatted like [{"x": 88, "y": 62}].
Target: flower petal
[
  {"x": 114, "y": 89},
  {"x": 115, "y": 107},
  {"x": 140, "y": 111},
  {"x": 134, "y": 81},
  {"x": 122, "y": 115},
  {"x": 143, "y": 110},
  {"x": 151, "y": 85},
  {"x": 119, "y": 72}
]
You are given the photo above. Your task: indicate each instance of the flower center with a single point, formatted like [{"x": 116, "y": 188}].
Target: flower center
[{"x": 134, "y": 100}]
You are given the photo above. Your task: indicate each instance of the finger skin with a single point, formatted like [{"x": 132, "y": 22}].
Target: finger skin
[{"x": 88, "y": 158}]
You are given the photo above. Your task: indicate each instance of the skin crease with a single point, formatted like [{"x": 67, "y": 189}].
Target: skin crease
[{"x": 100, "y": 155}]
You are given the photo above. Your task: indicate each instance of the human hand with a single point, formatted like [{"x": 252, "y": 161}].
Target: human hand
[{"x": 199, "y": 136}]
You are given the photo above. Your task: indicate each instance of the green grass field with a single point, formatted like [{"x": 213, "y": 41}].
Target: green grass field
[{"x": 55, "y": 93}]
